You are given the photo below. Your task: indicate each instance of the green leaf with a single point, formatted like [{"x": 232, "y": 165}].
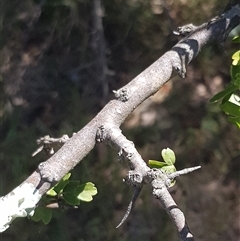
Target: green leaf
[
  {"x": 46, "y": 215},
  {"x": 237, "y": 82},
  {"x": 60, "y": 185},
  {"x": 230, "y": 108},
  {"x": 37, "y": 216},
  {"x": 166, "y": 166},
  {"x": 226, "y": 98},
  {"x": 71, "y": 186},
  {"x": 67, "y": 176},
  {"x": 169, "y": 169},
  {"x": 86, "y": 191},
  {"x": 235, "y": 99},
  {"x": 234, "y": 71},
  {"x": 229, "y": 90},
  {"x": 168, "y": 156},
  {"x": 156, "y": 164},
  {"x": 236, "y": 39},
  {"x": 236, "y": 58},
  {"x": 70, "y": 193},
  {"x": 71, "y": 198},
  {"x": 235, "y": 120},
  {"x": 51, "y": 193},
  {"x": 173, "y": 183}
]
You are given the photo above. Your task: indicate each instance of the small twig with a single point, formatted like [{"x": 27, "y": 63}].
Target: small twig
[
  {"x": 185, "y": 30},
  {"x": 48, "y": 143}
]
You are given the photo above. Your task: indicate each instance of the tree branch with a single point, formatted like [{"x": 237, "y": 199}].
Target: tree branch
[
  {"x": 105, "y": 126},
  {"x": 160, "y": 192}
]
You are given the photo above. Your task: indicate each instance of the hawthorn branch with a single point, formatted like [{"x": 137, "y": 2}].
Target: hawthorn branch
[
  {"x": 141, "y": 174},
  {"x": 159, "y": 191},
  {"x": 15, "y": 204}
]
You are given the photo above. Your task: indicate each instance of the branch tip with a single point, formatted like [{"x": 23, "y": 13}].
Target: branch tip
[{"x": 183, "y": 172}]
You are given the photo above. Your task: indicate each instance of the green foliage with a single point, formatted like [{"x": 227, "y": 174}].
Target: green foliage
[
  {"x": 58, "y": 188},
  {"x": 64, "y": 193},
  {"x": 167, "y": 165},
  {"x": 86, "y": 191},
  {"x": 230, "y": 95},
  {"x": 44, "y": 214}
]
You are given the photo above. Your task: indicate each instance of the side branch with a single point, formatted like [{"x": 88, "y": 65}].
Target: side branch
[
  {"x": 159, "y": 191},
  {"x": 126, "y": 150}
]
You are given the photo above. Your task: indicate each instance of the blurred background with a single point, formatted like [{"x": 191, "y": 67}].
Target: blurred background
[{"x": 60, "y": 61}]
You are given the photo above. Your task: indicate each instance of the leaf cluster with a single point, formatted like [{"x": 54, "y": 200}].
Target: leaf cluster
[
  {"x": 230, "y": 97},
  {"x": 64, "y": 194},
  {"x": 167, "y": 165}
]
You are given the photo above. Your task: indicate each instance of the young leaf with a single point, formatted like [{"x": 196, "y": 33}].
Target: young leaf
[
  {"x": 86, "y": 191},
  {"x": 168, "y": 156},
  {"x": 156, "y": 164},
  {"x": 51, "y": 193},
  {"x": 67, "y": 176},
  {"x": 166, "y": 166},
  {"x": 169, "y": 169},
  {"x": 236, "y": 58}
]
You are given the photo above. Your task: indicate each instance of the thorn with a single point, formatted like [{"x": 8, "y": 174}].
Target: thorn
[
  {"x": 37, "y": 151},
  {"x": 130, "y": 207},
  {"x": 182, "y": 172}
]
